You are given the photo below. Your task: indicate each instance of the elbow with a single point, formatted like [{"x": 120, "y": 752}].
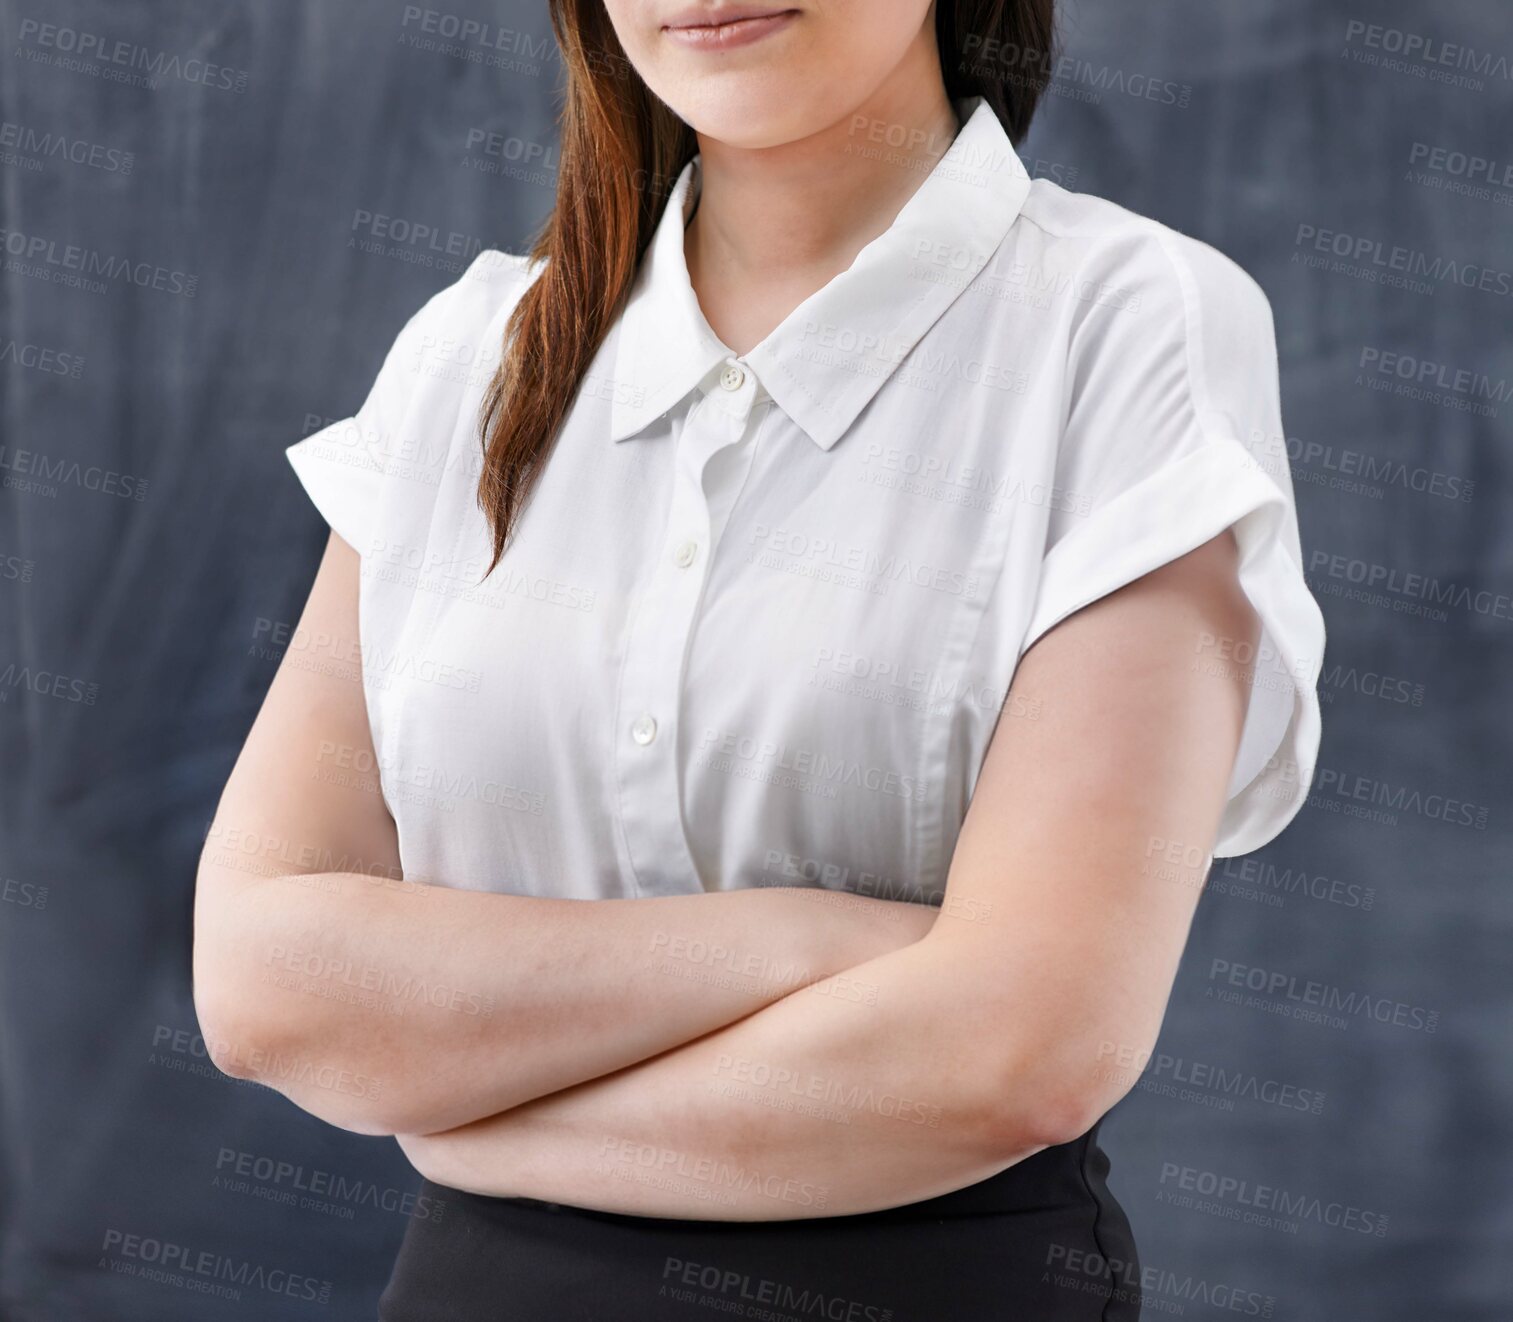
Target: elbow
[
  {"x": 1063, "y": 1115},
  {"x": 257, "y": 1038},
  {"x": 227, "y": 1010},
  {"x": 350, "y": 1071},
  {"x": 1036, "y": 1108},
  {"x": 239, "y": 1038},
  {"x": 248, "y": 1044},
  {"x": 246, "y": 1026},
  {"x": 1013, "y": 1133},
  {"x": 226, "y": 1002}
]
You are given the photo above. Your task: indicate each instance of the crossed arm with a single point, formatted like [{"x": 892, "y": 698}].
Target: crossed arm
[{"x": 903, "y": 1054}]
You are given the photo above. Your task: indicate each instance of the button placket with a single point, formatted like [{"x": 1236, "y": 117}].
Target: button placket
[{"x": 646, "y": 745}]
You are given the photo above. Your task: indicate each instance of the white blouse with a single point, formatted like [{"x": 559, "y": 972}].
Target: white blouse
[{"x": 761, "y": 614}]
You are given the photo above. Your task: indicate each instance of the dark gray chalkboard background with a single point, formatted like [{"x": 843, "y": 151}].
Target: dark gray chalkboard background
[{"x": 1260, "y": 118}]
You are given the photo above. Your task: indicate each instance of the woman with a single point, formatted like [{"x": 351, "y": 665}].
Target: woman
[{"x": 755, "y": 847}]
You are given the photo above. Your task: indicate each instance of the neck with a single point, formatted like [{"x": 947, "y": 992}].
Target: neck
[{"x": 787, "y": 219}]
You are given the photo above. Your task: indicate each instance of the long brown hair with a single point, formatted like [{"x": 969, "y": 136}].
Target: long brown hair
[{"x": 622, "y": 150}]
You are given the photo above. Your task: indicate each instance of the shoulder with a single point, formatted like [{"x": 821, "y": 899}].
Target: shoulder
[
  {"x": 494, "y": 273},
  {"x": 485, "y": 292},
  {"x": 1128, "y": 296},
  {"x": 1110, "y": 256}
]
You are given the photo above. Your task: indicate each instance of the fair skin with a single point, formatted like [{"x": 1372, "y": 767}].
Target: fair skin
[{"x": 906, "y": 1052}]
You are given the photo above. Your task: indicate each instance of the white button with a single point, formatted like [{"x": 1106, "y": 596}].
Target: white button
[
  {"x": 684, "y": 555},
  {"x": 733, "y": 377},
  {"x": 644, "y": 730}
]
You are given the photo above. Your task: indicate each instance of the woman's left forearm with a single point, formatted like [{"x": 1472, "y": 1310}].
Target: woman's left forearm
[{"x": 876, "y": 1089}]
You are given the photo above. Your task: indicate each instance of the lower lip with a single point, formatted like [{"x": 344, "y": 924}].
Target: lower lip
[{"x": 727, "y": 36}]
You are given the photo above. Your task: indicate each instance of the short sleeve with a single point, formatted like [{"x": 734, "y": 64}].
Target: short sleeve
[
  {"x": 342, "y": 466},
  {"x": 1173, "y": 433}
]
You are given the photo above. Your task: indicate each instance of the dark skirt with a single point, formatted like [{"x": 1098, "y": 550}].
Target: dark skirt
[{"x": 1043, "y": 1241}]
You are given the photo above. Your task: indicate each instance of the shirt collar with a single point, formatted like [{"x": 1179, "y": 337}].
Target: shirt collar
[{"x": 834, "y": 351}]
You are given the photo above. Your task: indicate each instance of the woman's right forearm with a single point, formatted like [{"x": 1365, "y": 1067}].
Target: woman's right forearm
[{"x": 391, "y": 1007}]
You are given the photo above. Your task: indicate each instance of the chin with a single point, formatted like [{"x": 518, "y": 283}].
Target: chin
[{"x": 771, "y": 116}]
